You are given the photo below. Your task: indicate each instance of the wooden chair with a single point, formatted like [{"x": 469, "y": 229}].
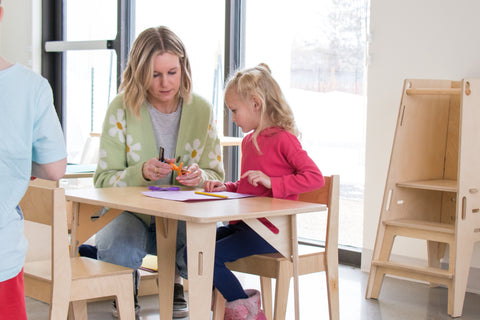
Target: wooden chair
[
  {"x": 62, "y": 279},
  {"x": 276, "y": 266}
]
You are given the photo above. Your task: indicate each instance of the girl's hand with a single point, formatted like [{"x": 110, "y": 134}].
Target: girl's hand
[
  {"x": 214, "y": 185},
  {"x": 193, "y": 178},
  {"x": 256, "y": 177},
  {"x": 154, "y": 169}
]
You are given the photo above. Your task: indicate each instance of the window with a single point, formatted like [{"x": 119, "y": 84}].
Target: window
[
  {"x": 315, "y": 49},
  {"x": 203, "y": 36},
  {"x": 90, "y": 77},
  {"x": 89, "y": 67}
]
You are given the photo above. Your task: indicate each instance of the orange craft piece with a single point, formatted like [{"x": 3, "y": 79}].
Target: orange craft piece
[{"x": 179, "y": 169}]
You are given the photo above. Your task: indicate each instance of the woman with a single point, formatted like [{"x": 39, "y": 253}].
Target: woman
[{"x": 155, "y": 108}]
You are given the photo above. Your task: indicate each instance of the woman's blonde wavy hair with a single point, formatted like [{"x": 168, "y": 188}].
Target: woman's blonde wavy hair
[
  {"x": 258, "y": 82},
  {"x": 138, "y": 74}
]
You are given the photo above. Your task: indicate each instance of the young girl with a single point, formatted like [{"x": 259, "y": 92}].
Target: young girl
[{"x": 273, "y": 165}]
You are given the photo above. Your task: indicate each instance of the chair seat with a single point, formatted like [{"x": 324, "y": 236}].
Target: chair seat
[
  {"x": 267, "y": 264},
  {"x": 83, "y": 267}
]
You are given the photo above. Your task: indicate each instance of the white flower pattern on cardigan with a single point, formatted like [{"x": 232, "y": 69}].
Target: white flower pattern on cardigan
[
  {"x": 116, "y": 179},
  {"x": 194, "y": 150},
  {"x": 133, "y": 147},
  {"x": 118, "y": 123},
  {"x": 216, "y": 158}
]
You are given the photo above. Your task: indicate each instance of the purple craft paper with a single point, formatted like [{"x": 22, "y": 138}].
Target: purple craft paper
[{"x": 190, "y": 195}]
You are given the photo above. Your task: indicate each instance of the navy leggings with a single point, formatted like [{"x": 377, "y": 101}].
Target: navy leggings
[{"x": 235, "y": 241}]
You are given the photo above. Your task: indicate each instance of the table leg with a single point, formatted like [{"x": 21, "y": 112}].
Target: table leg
[
  {"x": 166, "y": 243},
  {"x": 295, "y": 266},
  {"x": 74, "y": 244},
  {"x": 85, "y": 223},
  {"x": 200, "y": 259}
]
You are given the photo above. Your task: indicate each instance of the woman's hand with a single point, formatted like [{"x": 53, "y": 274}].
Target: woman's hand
[
  {"x": 193, "y": 178},
  {"x": 214, "y": 185},
  {"x": 256, "y": 177},
  {"x": 154, "y": 169}
]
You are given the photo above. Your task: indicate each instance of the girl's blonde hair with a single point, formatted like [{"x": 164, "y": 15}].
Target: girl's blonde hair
[
  {"x": 138, "y": 74},
  {"x": 258, "y": 82}
]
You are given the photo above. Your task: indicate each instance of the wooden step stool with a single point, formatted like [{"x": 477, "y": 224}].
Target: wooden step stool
[{"x": 433, "y": 186}]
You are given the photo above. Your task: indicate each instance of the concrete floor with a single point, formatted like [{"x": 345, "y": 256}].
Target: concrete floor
[{"x": 399, "y": 299}]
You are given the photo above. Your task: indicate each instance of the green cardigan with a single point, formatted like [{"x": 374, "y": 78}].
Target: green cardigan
[{"x": 128, "y": 141}]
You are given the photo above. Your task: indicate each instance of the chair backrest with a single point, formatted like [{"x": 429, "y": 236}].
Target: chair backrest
[
  {"x": 46, "y": 206},
  {"x": 328, "y": 195}
]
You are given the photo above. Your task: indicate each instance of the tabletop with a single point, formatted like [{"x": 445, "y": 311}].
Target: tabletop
[{"x": 132, "y": 199}]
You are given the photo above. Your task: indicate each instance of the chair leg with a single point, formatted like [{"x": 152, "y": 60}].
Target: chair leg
[
  {"x": 59, "y": 303},
  {"x": 218, "y": 305},
  {"x": 331, "y": 274},
  {"x": 266, "y": 288},
  {"x": 58, "y": 309},
  {"x": 78, "y": 310},
  {"x": 125, "y": 305},
  {"x": 281, "y": 290}
]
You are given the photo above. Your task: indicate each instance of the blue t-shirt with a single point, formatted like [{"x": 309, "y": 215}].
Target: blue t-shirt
[{"x": 29, "y": 131}]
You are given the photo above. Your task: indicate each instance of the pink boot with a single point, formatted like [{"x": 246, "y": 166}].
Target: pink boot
[{"x": 245, "y": 309}]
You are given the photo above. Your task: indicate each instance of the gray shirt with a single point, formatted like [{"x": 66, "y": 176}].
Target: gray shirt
[{"x": 165, "y": 127}]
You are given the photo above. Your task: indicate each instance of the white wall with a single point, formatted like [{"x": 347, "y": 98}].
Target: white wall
[
  {"x": 20, "y": 32},
  {"x": 431, "y": 39}
]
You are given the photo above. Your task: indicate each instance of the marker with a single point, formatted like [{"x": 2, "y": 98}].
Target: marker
[
  {"x": 211, "y": 194},
  {"x": 160, "y": 155}
]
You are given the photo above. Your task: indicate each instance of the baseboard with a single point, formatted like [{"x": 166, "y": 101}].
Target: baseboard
[{"x": 347, "y": 255}]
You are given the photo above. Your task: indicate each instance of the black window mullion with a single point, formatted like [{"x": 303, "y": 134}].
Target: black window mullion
[
  {"x": 234, "y": 58},
  {"x": 125, "y": 34},
  {"x": 52, "y": 62}
]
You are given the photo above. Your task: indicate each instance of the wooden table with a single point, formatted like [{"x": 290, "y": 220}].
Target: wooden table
[{"x": 201, "y": 218}]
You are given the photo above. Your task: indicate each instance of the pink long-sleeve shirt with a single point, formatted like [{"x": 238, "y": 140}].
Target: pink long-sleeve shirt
[{"x": 282, "y": 159}]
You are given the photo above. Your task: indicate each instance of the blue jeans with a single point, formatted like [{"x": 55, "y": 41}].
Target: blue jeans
[
  {"x": 127, "y": 240},
  {"x": 235, "y": 241}
]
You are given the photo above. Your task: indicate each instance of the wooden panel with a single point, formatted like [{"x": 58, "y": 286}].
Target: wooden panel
[
  {"x": 469, "y": 161},
  {"x": 437, "y": 184},
  {"x": 419, "y": 148},
  {"x": 319, "y": 195},
  {"x": 451, "y": 152},
  {"x": 33, "y": 207},
  {"x": 280, "y": 241}
]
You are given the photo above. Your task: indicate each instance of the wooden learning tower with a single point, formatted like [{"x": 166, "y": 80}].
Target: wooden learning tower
[{"x": 432, "y": 190}]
